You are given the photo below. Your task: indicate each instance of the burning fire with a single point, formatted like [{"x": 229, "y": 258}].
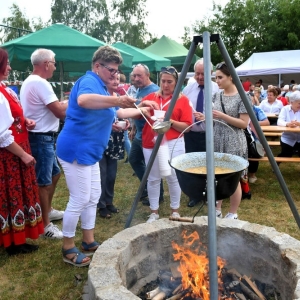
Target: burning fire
[{"x": 194, "y": 265}]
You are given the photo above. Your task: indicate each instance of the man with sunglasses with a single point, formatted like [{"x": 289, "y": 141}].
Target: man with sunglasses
[
  {"x": 40, "y": 103},
  {"x": 195, "y": 138},
  {"x": 141, "y": 77}
]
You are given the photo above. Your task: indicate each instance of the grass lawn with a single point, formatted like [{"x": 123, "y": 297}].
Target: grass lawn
[{"x": 44, "y": 275}]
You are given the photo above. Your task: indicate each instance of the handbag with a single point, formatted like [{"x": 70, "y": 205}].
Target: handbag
[
  {"x": 255, "y": 148},
  {"x": 115, "y": 147}
]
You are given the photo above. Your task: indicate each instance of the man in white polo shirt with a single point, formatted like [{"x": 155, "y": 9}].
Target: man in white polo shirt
[{"x": 40, "y": 103}]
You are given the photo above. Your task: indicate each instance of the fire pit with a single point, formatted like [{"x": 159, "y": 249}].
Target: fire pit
[{"x": 132, "y": 258}]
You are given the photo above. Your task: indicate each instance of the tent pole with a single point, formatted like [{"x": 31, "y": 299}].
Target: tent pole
[
  {"x": 279, "y": 79},
  {"x": 61, "y": 80}
]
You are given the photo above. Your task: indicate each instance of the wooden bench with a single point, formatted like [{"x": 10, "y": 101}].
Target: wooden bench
[
  {"x": 277, "y": 159},
  {"x": 277, "y": 134},
  {"x": 274, "y": 143}
]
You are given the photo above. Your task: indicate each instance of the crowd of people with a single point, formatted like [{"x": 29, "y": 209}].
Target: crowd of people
[
  {"x": 100, "y": 110},
  {"x": 276, "y": 106}
]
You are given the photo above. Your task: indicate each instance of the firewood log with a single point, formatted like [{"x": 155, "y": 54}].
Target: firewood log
[
  {"x": 177, "y": 289},
  {"x": 254, "y": 288},
  {"x": 179, "y": 295},
  {"x": 152, "y": 293},
  {"x": 159, "y": 296},
  {"x": 246, "y": 290},
  {"x": 182, "y": 219},
  {"x": 241, "y": 296}
]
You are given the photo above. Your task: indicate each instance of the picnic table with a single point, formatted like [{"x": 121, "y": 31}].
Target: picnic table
[
  {"x": 271, "y": 115},
  {"x": 277, "y": 131},
  {"x": 280, "y": 129}
]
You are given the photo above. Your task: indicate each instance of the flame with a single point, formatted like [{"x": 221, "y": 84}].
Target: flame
[{"x": 194, "y": 265}]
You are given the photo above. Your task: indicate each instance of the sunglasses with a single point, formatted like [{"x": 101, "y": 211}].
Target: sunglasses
[
  {"x": 170, "y": 70},
  {"x": 111, "y": 70},
  {"x": 220, "y": 65},
  {"x": 141, "y": 65}
]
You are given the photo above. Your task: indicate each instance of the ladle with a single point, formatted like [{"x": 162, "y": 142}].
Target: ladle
[
  {"x": 161, "y": 127},
  {"x": 143, "y": 115}
]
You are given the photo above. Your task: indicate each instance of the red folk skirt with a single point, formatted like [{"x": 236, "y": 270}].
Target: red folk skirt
[{"x": 20, "y": 210}]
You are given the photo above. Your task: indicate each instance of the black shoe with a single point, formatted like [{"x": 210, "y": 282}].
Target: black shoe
[
  {"x": 126, "y": 160},
  {"x": 21, "y": 249},
  {"x": 104, "y": 213},
  {"x": 193, "y": 202},
  {"x": 146, "y": 202},
  {"x": 144, "y": 195},
  {"x": 112, "y": 209},
  {"x": 246, "y": 195},
  {"x": 31, "y": 247}
]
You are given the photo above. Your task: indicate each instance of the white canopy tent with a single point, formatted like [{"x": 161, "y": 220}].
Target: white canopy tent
[{"x": 274, "y": 67}]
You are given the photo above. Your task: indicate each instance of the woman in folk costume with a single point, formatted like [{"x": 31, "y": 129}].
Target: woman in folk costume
[{"x": 20, "y": 211}]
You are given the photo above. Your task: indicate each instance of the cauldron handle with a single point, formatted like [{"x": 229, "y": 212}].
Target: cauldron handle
[{"x": 214, "y": 120}]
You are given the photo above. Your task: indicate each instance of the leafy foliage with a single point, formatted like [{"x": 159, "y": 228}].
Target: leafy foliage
[
  {"x": 248, "y": 26},
  {"x": 18, "y": 21},
  {"x": 123, "y": 21}
]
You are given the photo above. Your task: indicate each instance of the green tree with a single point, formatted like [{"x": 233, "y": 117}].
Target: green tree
[
  {"x": 87, "y": 16},
  {"x": 18, "y": 24},
  {"x": 248, "y": 26},
  {"x": 123, "y": 21},
  {"x": 129, "y": 16}
]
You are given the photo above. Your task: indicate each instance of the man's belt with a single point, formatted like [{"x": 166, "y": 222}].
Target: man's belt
[{"x": 49, "y": 133}]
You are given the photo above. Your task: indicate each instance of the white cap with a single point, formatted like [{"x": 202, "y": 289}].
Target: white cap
[{"x": 286, "y": 87}]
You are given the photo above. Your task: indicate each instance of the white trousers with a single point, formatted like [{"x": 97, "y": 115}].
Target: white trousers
[
  {"x": 153, "y": 185},
  {"x": 85, "y": 189}
]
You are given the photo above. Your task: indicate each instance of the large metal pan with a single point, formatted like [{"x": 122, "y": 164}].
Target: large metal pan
[{"x": 194, "y": 185}]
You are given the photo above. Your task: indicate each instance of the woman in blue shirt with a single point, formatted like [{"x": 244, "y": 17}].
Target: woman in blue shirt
[{"x": 80, "y": 146}]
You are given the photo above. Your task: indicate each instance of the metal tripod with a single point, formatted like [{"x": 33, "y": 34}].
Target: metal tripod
[{"x": 206, "y": 39}]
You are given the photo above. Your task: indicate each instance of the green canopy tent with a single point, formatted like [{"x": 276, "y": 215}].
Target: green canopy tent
[
  {"x": 152, "y": 61},
  {"x": 73, "y": 49},
  {"x": 172, "y": 50}
]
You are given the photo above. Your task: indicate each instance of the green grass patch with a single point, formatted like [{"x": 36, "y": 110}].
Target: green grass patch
[{"x": 44, "y": 275}]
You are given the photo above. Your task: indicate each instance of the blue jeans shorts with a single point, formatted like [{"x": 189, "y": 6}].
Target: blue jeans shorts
[{"x": 43, "y": 150}]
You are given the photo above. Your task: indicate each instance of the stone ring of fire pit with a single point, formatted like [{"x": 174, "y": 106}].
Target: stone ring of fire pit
[{"x": 125, "y": 263}]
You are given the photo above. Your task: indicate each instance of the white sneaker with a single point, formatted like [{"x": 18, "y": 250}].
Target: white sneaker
[
  {"x": 175, "y": 214},
  {"x": 219, "y": 214},
  {"x": 252, "y": 179},
  {"x": 231, "y": 216},
  {"x": 55, "y": 215},
  {"x": 52, "y": 232},
  {"x": 153, "y": 217}
]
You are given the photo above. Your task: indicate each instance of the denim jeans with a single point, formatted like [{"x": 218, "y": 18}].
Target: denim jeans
[
  {"x": 127, "y": 143},
  {"x": 137, "y": 162},
  {"x": 108, "y": 174},
  {"x": 43, "y": 150}
]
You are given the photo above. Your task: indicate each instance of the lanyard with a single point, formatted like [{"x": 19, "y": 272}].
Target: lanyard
[{"x": 161, "y": 105}]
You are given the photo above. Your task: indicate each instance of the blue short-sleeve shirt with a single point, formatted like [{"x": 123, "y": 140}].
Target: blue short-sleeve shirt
[{"x": 86, "y": 132}]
